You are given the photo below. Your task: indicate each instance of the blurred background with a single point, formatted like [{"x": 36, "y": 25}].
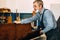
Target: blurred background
[{"x": 26, "y": 6}]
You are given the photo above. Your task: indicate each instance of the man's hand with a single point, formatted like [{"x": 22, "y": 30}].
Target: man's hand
[{"x": 41, "y": 32}]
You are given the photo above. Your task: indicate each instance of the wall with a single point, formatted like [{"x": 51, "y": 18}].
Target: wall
[
  {"x": 56, "y": 10},
  {"x": 2, "y": 3},
  {"x": 11, "y": 4},
  {"x": 24, "y": 6}
]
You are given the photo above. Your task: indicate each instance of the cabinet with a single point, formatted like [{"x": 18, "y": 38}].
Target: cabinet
[{"x": 14, "y": 31}]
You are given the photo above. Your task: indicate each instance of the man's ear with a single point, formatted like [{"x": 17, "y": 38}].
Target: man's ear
[{"x": 40, "y": 5}]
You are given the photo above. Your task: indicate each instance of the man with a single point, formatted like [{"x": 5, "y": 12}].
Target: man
[{"x": 46, "y": 19}]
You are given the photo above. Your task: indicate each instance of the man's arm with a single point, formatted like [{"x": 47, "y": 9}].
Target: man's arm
[
  {"x": 48, "y": 22},
  {"x": 29, "y": 20}
]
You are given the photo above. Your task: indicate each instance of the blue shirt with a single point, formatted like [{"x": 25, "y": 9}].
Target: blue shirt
[{"x": 48, "y": 20}]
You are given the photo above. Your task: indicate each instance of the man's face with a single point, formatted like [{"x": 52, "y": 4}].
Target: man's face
[{"x": 36, "y": 6}]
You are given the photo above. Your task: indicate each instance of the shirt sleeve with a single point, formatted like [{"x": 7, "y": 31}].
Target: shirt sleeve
[
  {"x": 29, "y": 20},
  {"x": 49, "y": 24}
]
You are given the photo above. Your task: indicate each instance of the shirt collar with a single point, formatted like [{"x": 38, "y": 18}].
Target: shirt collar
[{"x": 42, "y": 11}]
